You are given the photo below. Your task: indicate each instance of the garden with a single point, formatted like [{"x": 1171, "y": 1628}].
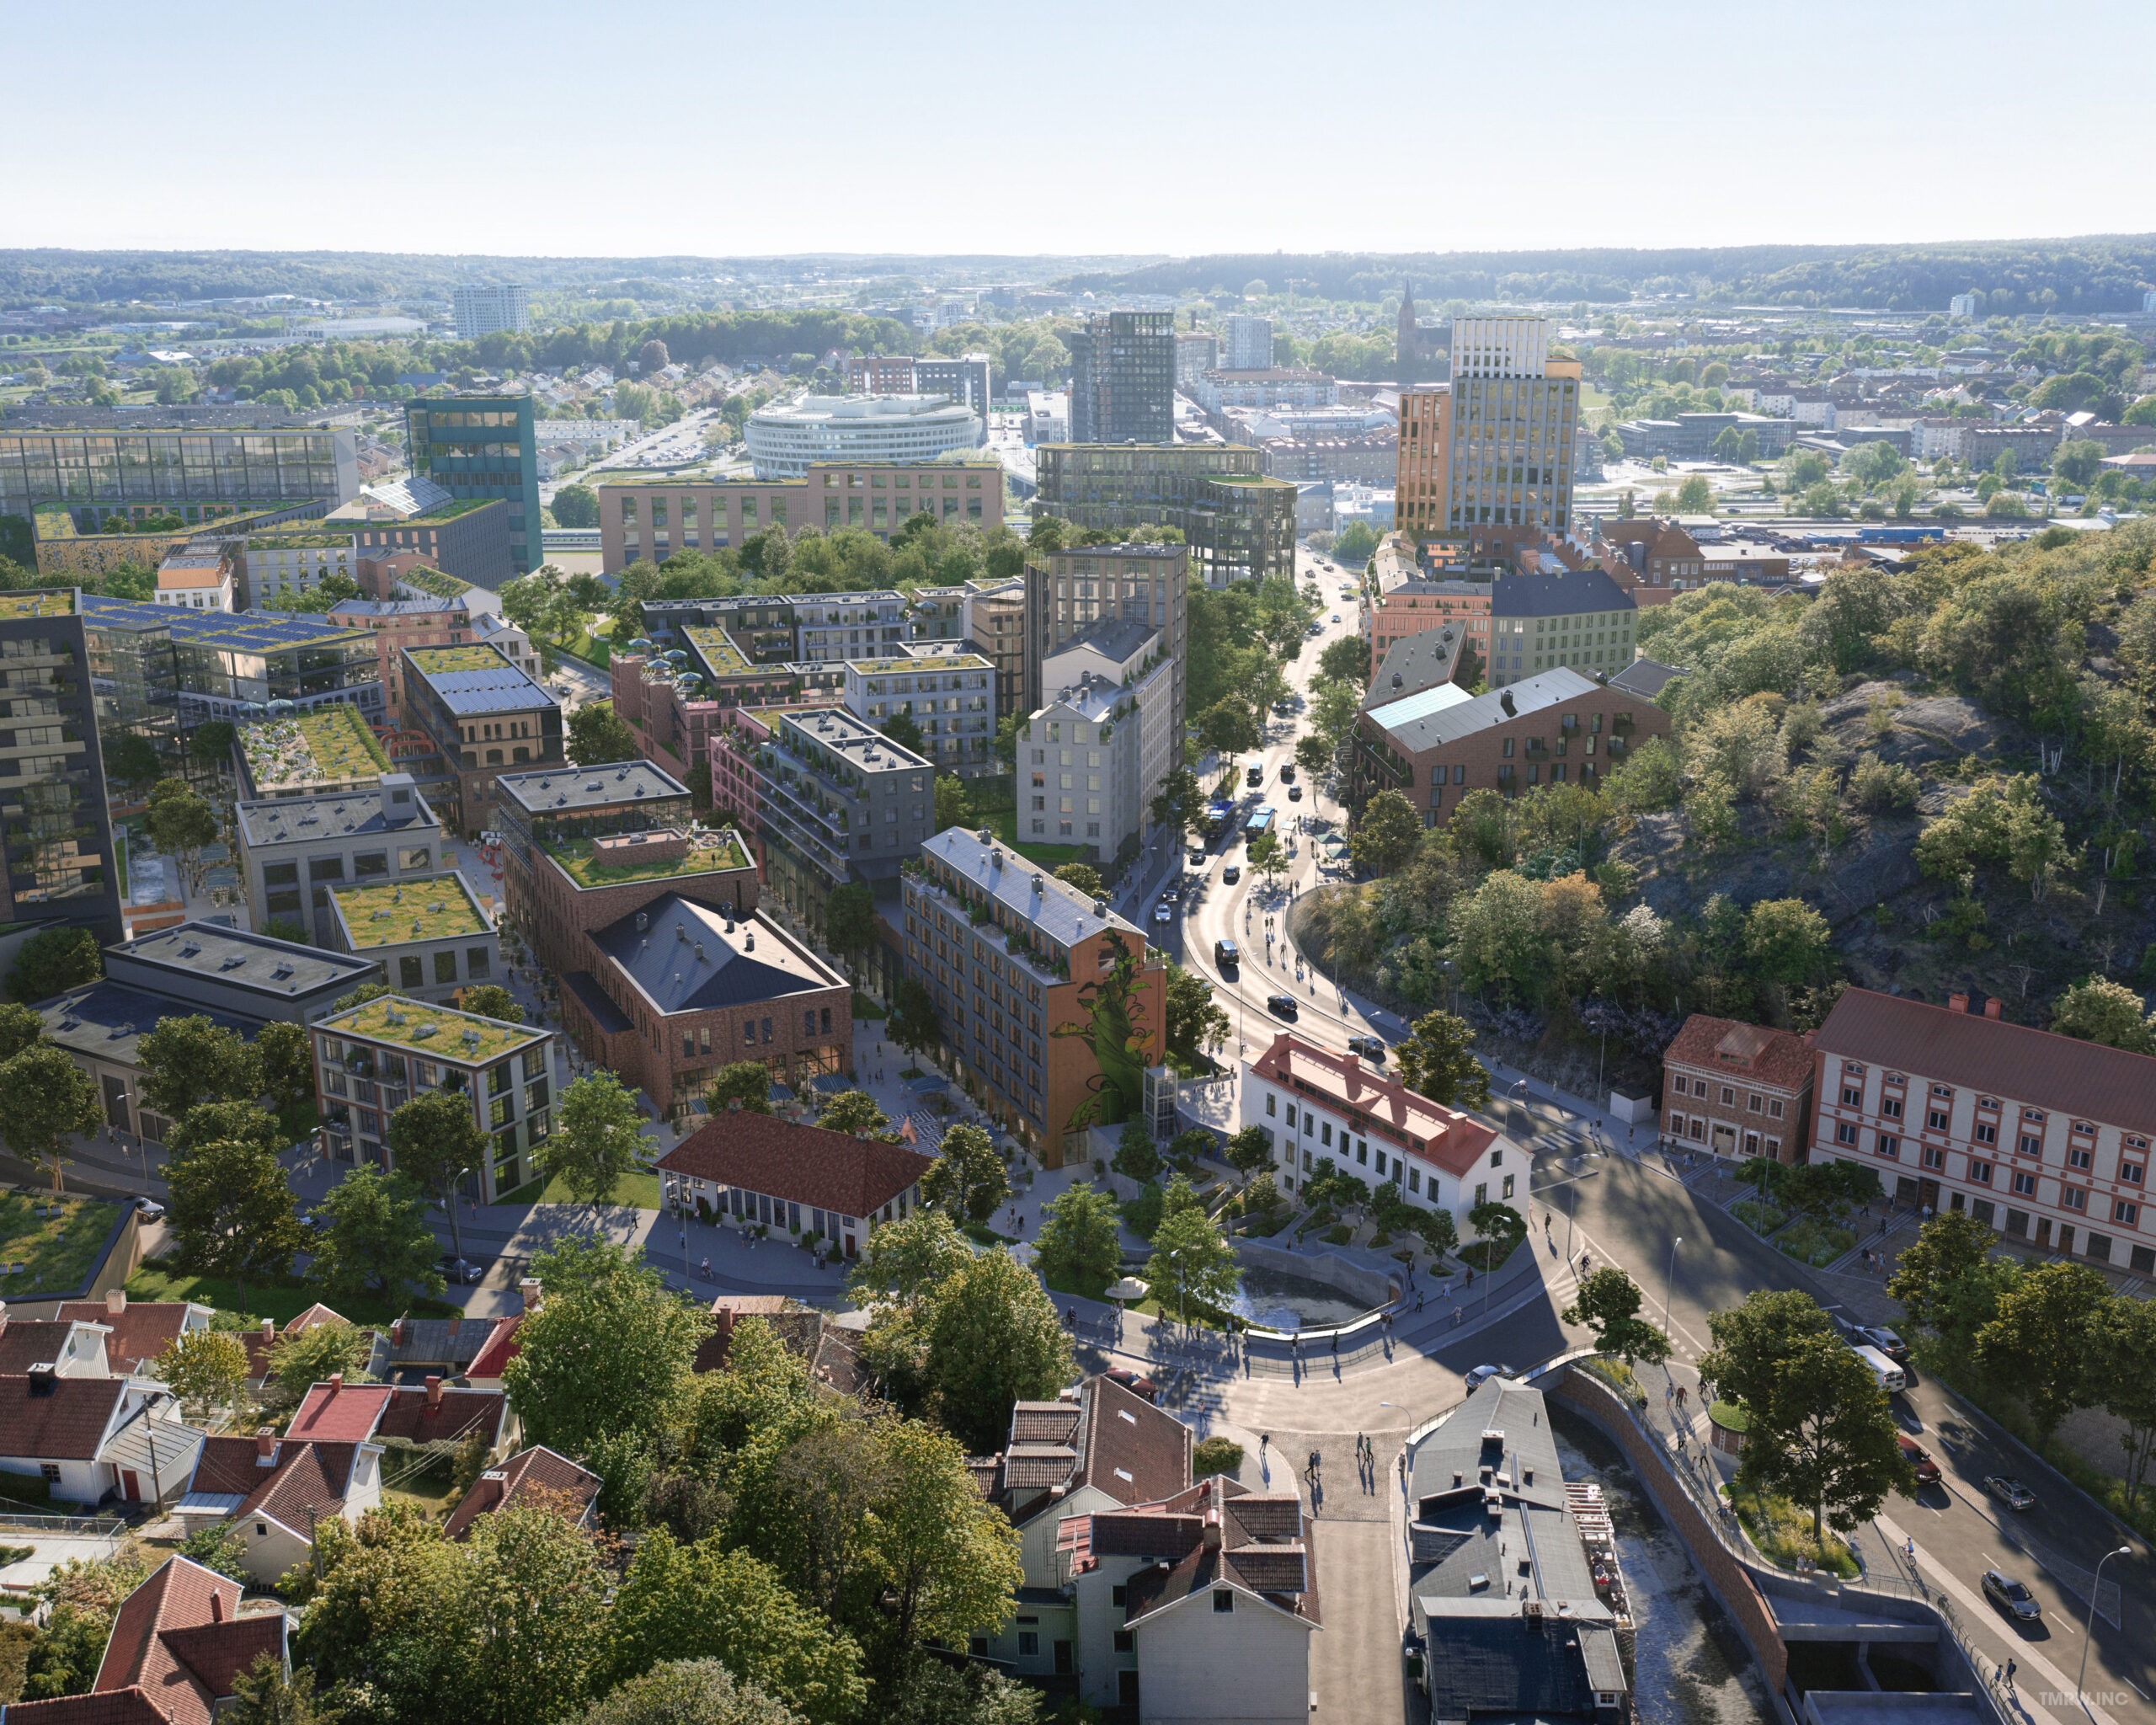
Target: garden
[{"x": 1806, "y": 1207}]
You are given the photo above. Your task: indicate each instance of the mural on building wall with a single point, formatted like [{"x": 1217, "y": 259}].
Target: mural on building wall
[{"x": 1123, "y": 1043}]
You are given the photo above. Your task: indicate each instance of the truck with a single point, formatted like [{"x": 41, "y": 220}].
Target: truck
[{"x": 1259, "y": 824}]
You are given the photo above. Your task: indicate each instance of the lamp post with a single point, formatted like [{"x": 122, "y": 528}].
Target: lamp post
[
  {"x": 1669, "y": 1280},
  {"x": 2095, "y": 1587}
]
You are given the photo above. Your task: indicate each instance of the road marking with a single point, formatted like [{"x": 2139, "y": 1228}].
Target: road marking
[{"x": 2022, "y": 1653}]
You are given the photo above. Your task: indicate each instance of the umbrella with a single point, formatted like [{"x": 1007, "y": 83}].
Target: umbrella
[{"x": 1128, "y": 1288}]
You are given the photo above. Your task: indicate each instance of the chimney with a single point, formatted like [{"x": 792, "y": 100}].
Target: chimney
[
  {"x": 725, "y": 1317},
  {"x": 42, "y": 1378},
  {"x": 217, "y": 1606},
  {"x": 269, "y": 1329},
  {"x": 1211, "y": 1533},
  {"x": 492, "y": 1483},
  {"x": 433, "y": 1393},
  {"x": 1991, "y": 1007},
  {"x": 454, "y": 1325},
  {"x": 1957, "y": 1003},
  {"x": 529, "y": 1288},
  {"x": 115, "y": 1301},
  {"x": 336, "y": 1381},
  {"x": 397, "y": 1333},
  {"x": 266, "y": 1443}
]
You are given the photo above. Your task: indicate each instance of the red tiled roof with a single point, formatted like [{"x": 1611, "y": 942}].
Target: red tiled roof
[
  {"x": 66, "y": 1425},
  {"x": 178, "y": 1595},
  {"x": 119, "y": 1706},
  {"x": 218, "y": 1653},
  {"x": 1779, "y": 1059},
  {"x": 805, "y": 1165},
  {"x": 346, "y": 1415},
  {"x": 301, "y": 1475},
  {"x": 28, "y": 1342},
  {"x": 458, "y": 1414},
  {"x": 1134, "y": 1451},
  {"x": 496, "y": 1352},
  {"x": 537, "y": 1475},
  {"x": 1995, "y": 1057},
  {"x": 140, "y": 1332},
  {"x": 1449, "y": 1139}
]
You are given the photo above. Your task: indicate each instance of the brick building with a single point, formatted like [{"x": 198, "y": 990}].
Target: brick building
[
  {"x": 1424, "y": 457},
  {"x": 399, "y": 624},
  {"x": 1412, "y": 608},
  {"x": 1436, "y": 746},
  {"x": 2044, "y": 1137},
  {"x": 482, "y": 715},
  {"x": 1736, "y": 1089}
]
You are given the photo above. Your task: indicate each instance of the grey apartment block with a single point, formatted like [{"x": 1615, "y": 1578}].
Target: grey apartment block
[
  {"x": 429, "y": 933},
  {"x": 293, "y": 850},
  {"x": 843, "y": 797},
  {"x": 233, "y": 971}
]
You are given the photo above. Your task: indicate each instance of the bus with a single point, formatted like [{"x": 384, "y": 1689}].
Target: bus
[
  {"x": 1218, "y": 818},
  {"x": 1260, "y": 822}
]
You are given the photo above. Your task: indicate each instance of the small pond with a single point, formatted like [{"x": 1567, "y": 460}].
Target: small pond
[{"x": 1281, "y": 1301}]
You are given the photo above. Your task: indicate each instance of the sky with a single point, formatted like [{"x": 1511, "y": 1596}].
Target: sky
[{"x": 943, "y": 126}]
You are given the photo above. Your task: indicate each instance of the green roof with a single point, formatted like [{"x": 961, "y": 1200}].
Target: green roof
[
  {"x": 433, "y": 581},
  {"x": 708, "y": 854},
  {"x": 56, "y": 601},
  {"x": 926, "y": 665},
  {"x": 458, "y": 506},
  {"x": 439, "y": 661},
  {"x": 719, "y": 654},
  {"x": 322, "y": 745},
  {"x": 436, "y": 1031},
  {"x": 393, "y": 913}
]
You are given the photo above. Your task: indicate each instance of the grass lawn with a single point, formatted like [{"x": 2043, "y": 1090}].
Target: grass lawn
[
  {"x": 864, "y": 1007},
  {"x": 1005, "y": 825},
  {"x": 639, "y": 1190},
  {"x": 1084, "y": 1287},
  {"x": 1784, "y": 1533},
  {"x": 285, "y": 1300},
  {"x": 52, "y": 1254}
]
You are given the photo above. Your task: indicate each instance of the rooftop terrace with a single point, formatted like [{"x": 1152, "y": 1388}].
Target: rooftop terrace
[
  {"x": 717, "y": 649},
  {"x": 391, "y": 913},
  {"x": 440, "y": 1032},
  {"x": 58, "y": 601},
  {"x": 324, "y": 744},
  {"x": 436, "y": 660},
  {"x": 657, "y": 855}
]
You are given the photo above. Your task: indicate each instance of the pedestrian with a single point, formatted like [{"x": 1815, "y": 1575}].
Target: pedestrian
[
  {"x": 1418, "y": 1301},
  {"x": 2010, "y": 1668},
  {"x": 1263, "y": 1439}
]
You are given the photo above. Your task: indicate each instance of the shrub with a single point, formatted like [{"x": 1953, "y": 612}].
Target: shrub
[{"x": 1215, "y": 1455}]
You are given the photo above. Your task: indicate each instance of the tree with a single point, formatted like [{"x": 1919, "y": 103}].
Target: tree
[
  {"x": 70, "y": 1647},
  {"x": 131, "y": 758},
  {"x": 689, "y": 1692},
  {"x": 53, "y": 962},
  {"x": 2039, "y": 1345},
  {"x": 436, "y": 1139},
  {"x": 2097, "y": 1010},
  {"x": 2078, "y": 461},
  {"x": 1824, "y": 1437},
  {"x": 231, "y": 1212},
  {"x": 948, "y": 1561},
  {"x": 1083, "y": 876},
  {"x": 1193, "y": 1257},
  {"x": 1181, "y": 804},
  {"x": 597, "y": 1140},
  {"x": 1752, "y": 1342},
  {"x": 206, "y": 1369},
  {"x": 1437, "y": 1059},
  {"x": 1227, "y": 727},
  {"x": 20, "y": 1029},
  {"x": 913, "y": 1023},
  {"x": 856, "y": 1111},
  {"x": 2122, "y": 1375},
  {"x": 748, "y": 1082},
  {"x": 382, "y": 1604},
  {"x": 1266, "y": 854},
  {"x": 607, "y": 1353},
  {"x": 952, "y": 808},
  {"x": 967, "y": 1175},
  {"x": 181, "y": 825},
  {"x": 597, "y": 736},
  {"x": 264, "y": 1695},
  {"x": 1249, "y": 1152},
  {"x": 1347, "y": 660},
  {"x": 191, "y": 1060},
  {"x": 490, "y": 999},
  {"x": 286, "y": 1056},
  {"x": 576, "y": 506},
  {"x": 1695, "y": 496},
  {"x": 1608, "y": 1303},
  {"x": 1314, "y": 754},
  {"x": 926, "y": 1691},
  {"x": 908, "y": 1260},
  {"x": 45, "y": 1100},
  {"x": 993, "y": 1339},
  {"x": 358, "y": 996},
  {"x": 300, "y": 1358},
  {"x": 1947, "y": 1248},
  {"x": 532, "y": 1611},
  {"x": 1786, "y": 942},
  {"x": 850, "y": 919},
  {"x": 1136, "y": 1156},
  {"x": 1387, "y": 835},
  {"x": 1194, "y": 1021},
  {"x": 211, "y": 744},
  {"x": 1081, "y": 1238},
  {"x": 901, "y": 729},
  {"x": 240, "y": 1122},
  {"x": 376, "y": 1240},
  {"x": 1498, "y": 1230}
]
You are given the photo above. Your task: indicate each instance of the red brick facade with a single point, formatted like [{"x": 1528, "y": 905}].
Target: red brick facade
[{"x": 1736, "y": 1089}]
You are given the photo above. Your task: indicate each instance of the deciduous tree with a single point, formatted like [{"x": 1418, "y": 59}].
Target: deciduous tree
[
  {"x": 1946, "y": 1247},
  {"x": 849, "y": 920},
  {"x": 748, "y": 1082},
  {"x": 1824, "y": 1437},
  {"x": 908, "y": 1259},
  {"x": 1608, "y": 1303},
  {"x": 597, "y": 1140},
  {"x": 20, "y": 1029},
  {"x": 1079, "y": 1241},
  {"x": 1437, "y": 1059},
  {"x": 490, "y": 999},
  {"x": 967, "y": 1175},
  {"x": 1387, "y": 835},
  {"x": 689, "y": 1692},
  {"x": 377, "y": 1240},
  {"x": 45, "y": 1099},
  {"x": 53, "y": 962},
  {"x": 1752, "y": 1341},
  {"x": 2040, "y": 1343},
  {"x": 949, "y": 1562},
  {"x": 300, "y": 1358},
  {"x": 993, "y": 1339},
  {"x": 231, "y": 1212},
  {"x": 188, "y": 1062},
  {"x": 1081, "y": 875},
  {"x": 2123, "y": 1372},
  {"x": 1136, "y": 1156},
  {"x": 436, "y": 1139},
  {"x": 286, "y": 1054},
  {"x": 597, "y": 735},
  {"x": 1191, "y": 1257},
  {"x": 206, "y": 1369},
  {"x": 2096, "y": 1009},
  {"x": 856, "y": 1111}
]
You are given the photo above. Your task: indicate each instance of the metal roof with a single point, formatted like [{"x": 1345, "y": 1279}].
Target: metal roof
[
  {"x": 688, "y": 958},
  {"x": 496, "y": 688},
  {"x": 299, "y": 820},
  {"x": 236, "y": 959},
  {"x": 1564, "y": 594},
  {"x": 1435, "y": 717},
  {"x": 570, "y": 788},
  {"x": 1056, "y": 907}
]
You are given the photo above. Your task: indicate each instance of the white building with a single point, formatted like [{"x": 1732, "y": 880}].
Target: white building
[
  {"x": 297, "y": 558},
  {"x": 1964, "y": 304},
  {"x": 1250, "y": 343},
  {"x": 784, "y": 440},
  {"x": 1102, "y": 741},
  {"x": 196, "y": 578},
  {"x": 1048, "y": 416},
  {"x": 586, "y": 430},
  {"x": 950, "y": 696},
  {"x": 491, "y": 311}
]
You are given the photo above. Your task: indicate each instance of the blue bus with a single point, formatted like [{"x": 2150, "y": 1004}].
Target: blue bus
[{"x": 1260, "y": 822}]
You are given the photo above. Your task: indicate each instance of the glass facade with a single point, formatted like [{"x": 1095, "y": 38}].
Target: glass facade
[
  {"x": 484, "y": 446},
  {"x": 107, "y": 467},
  {"x": 159, "y": 672},
  {"x": 58, "y": 833}
]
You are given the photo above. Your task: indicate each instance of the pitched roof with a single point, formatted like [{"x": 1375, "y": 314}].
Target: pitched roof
[
  {"x": 1993, "y": 1056},
  {"x": 1214, "y": 1532},
  {"x": 310, "y": 1486},
  {"x": 1558, "y": 594},
  {"x": 499, "y": 1349},
  {"x": 452, "y": 1419},
  {"x": 178, "y": 1639},
  {"x": 805, "y": 1165},
  {"x": 684, "y": 957},
  {"x": 345, "y": 1413},
  {"x": 1419, "y": 662},
  {"x": 66, "y": 1424},
  {"x": 142, "y": 1329},
  {"x": 1433, "y": 1134},
  {"x": 118, "y": 1706},
  {"x": 27, "y": 1342},
  {"x": 1647, "y": 677},
  {"x": 1780, "y": 1058},
  {"x": 533, "y": 1476}
]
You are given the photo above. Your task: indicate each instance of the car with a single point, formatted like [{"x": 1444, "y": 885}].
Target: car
[
  {"x": 2011, "y": 1596},
  {"x": 2010, "y": 1491},
  {"x": 1139, "y": 1385},
  {"x": 1286, "y": 773},
  {"x": 1232, "y": 873},
  {"x": 1336, "y": 616},
  {"x": 1888, "y": 1343},
  {"x": 1254, "y": 776},
  {"x": 1294, "y": 793},
  {"x": 1225, "y": 952},
  {"x": 1281, "y": 1005},
  {"x": 1169, "y": 897},
  {"x": 1369, "y": 1047},
  {"x": 1163, "y": 915},
  {"x": 1481, "y": 1375},
  {"x": 1912, "y": 1452},
  {"x": 1283, "y": 709},
  {"x": 458, "y": 1270},
  {"x": 149, "y": 1209},
  {"x": 1198, "y": 856}
]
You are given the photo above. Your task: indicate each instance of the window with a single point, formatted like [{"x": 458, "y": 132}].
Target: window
[
  {"x": 1029, "y": 1643},
  {"x": 1125, "y": 1642},
  {"x": 1979, "y": 1172},
  {"x": 444, "y": 967},
  {"x": 1845, "y": 1132},
  {"x": 1223, "y": 1599},
  {"x": 477, "y": 963},
  {"x": 1754, "y": 1104},
  {"x": 1986, "y": 1131},
  {"x": 1677, "y": 1084},
  {"x": 1852, "y": 1097},
  {"x": 326, "y": 868},
  {"x": 411, "y": 970},
  {"x": 1774, "y": 1107},
  {"x": 1934, "y": 1157},
  {"x": 2024, "y": 1184},
  {"x": 2078, "y": 1157},
  {"x": 1936, "y": 1119},
  {"x": 1269, "y": 1100},
  {"x": 2073, "y": 1198},
  {"x": 1890, "y": 1107},
  {"x": 2131, "y": 1172},
  {"x": 2126, "y": 1210},
  {"x": 2029, "y": 1145},
  {"x": 281, "y": 875},
  {"x": 369, "y": 863},
  {"x": 1889, "y": 1146}
]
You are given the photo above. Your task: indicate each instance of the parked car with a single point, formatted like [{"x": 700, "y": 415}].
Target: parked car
[
  {"x": 149, "y": 1209},
  {"x": 1480, "y": 1375},
  {"x": 1281, "y": 1005},
  {"x": 1369, "y": 1047},
  {"x": 2010, "y": 1491},
  {"x": 459, "y": 1269},
  {"x": 1912, "y": 1452},
  {"x": 2011, "y": 1596}
]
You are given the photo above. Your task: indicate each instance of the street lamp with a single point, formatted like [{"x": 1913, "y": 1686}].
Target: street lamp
[
  {"x": 1668, "y": 1279},
  {"x": 1179, "y": 1311},
  {"x": 2095, "y": 1587}
]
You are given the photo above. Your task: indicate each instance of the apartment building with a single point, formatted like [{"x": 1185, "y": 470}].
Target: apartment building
[
  {"x": 1314, "y": 1106},
  {"x": 396, "y": 624},
  {"x": 56, "y": 829},
  {"x": 1099, "y": 748},
  {"x": 505, "y": 309},
  {"x": 583, "y": 847},
  {"x": 675, "y": 701},
  {"x": 950, "y": 696},
  {"x": 992, "y": 621},
  {"x": 760, "y": 626},
  {"x": 1238, "y": 523},
  {"x": 1736, "y": 1089},
  {"x": 1069, "y": 592},
  {"x": 471, "y": 538},
  {"x": 964, "y": 379},
  {"x": 648, "y": 519},
  {"x": 1436, "y": 746},
  {"x": 195, "y": 472},
  {"x": 371, "y": 1059},
  {"x": 1195, "y": 356},
  {"x": 1051, "y": 1004},
  {"x": 481, "y": 448},
  {"x": 276, "y": 561},
  {"x": 1419, "y": 662},
  {"x": 2043, "y": 1137},
  {"x": 429, "y": 933},
  {"x": 838, "y": 801},
  {"x": 1413, "y": 607},
  {"x": 482, "y": 715},
  {"x": 1579, "y": 618},
  {"x": 1652, "y": 558},
  {"x": 1122, "y": 378},
  {"x": 1250, "y": 343},
  {"x": 294, "y": 850},
  {"x": 2031, "y": 445},
  {"x": 1514, "y": 414}
]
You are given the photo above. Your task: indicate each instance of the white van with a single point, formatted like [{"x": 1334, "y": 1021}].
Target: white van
[{"x": 1888, "y": 1374}]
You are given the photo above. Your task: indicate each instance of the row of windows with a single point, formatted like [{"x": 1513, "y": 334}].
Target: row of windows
[
  {"x": 1753, "y": 1102},
  {"x": 1982, "y": 1170}
]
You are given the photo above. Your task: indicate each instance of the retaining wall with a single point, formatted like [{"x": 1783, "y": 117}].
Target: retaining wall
[{"x": 1357, "y": 1281}]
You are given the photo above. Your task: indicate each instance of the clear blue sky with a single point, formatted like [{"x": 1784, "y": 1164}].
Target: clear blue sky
[{"x": 946, "y": 126}]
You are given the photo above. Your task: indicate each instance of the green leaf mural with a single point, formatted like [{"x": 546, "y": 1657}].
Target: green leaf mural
[{"x": 1122, "y": 1043}]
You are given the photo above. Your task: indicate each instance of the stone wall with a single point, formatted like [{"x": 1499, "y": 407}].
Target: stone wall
[{"x": 1372, "y": 1287}]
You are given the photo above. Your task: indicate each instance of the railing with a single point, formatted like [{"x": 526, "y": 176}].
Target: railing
[{"x": 98, "y": 1527}]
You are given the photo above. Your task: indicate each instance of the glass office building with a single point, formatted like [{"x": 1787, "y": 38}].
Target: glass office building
[
  {"x": 483, "y": 446},
  {"x": 55, "y": 829},
  {"x": 96, "y": 471}
]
